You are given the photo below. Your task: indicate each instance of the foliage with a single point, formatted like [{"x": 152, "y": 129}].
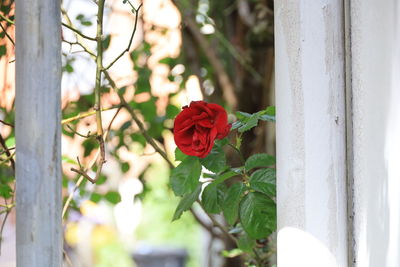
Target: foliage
[{"x": 247, "y": 204}]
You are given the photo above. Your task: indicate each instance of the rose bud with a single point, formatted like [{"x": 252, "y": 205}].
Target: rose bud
[{"x": 198, "y": 125}]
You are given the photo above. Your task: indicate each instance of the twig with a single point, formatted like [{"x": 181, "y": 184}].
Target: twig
[
  {"x": 86, "y": 114},
  {"x": 6, "y": 123},
  {"x": 81, "y": 178},
  {"x": 67, "y": 259},
  {"x": 206, "y": 226},
  {"x": 130, "y": 40},
  {"x": 6, "y": 19},
  {"x": 7, "y": 151},
  {"x": 78, "y": 36},
  {"x": 78, "y": 32},
  {"x": 3, "y": 223},
  {"x": 97, "y": 95},
  {"x": 7, "y": 158},
  {"x": 142, "y": 129},
  {"x": 88, "y": 135},
  {"x": 8, "y": 36}
]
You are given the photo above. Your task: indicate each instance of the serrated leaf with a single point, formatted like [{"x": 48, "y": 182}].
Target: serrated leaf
[
  {"x": 249, "y": 123},
  {"x": 186, "y": 203},
  {"x": 230, "y": 204},
  {"x": 257, "y": 214},
  {"x": 242, "y": 115},
  {"x": 113, "y": 197},
  {"x": 236, "y": 125},
  {"x": 212, "y": 197},
  {"x": 215, "y": 161},
  {"x": 185, "y": 177},
  {"x": 179, "y": 155},
  {"x": 267, "y": 118},
  {"x": 259, "y": 160},
  {"x": 264, "y": 181}
]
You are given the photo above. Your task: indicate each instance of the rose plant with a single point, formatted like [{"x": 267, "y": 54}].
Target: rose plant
[{"x": 248, "y": 203}]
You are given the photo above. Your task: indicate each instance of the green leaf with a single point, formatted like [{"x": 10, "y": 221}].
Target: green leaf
[
  {"x": 68, "y": 68},
  {"x": 258, "y": 215},
  {"x": 10, "y": 142},
  {"x": 125, "y": 167},
  {"x": 264, "y": 181},
  {"x": 5, "y": 191},
  {"x": 179, "y": 155},
  {"x": 113, "y": 197},
  {"x": 143, "y": 81},
  {"x": 232, "y": 253},
  {"x": 96, "y": 197},
  {"x": 246, "y": 243},
  {"x": 186, "y": 203},
  {"x": 259, "y": 160},
  {"x": 212, "y": 197},
  {"x": 66, "y": 159},
  {"x": 172, "y": 111},
  {"x": 185, "y": 177},
  {"x": 249, "y": 123},
  {"x": 168, "y": 61},
  {"x": 230, "y": 204},
  {"x": 215, "y": 161},
  {"x": 270, "y": 111},
  {"x": 102, "y": 179},
  {"x": 221, "y": 178},
  {"x": 139, "y": 138},
  {"x": 89, "y": 144},
  {"x": 106, "y": 41}
]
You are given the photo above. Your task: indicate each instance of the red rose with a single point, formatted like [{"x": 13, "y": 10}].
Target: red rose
[{"x": 197, "y": 126}]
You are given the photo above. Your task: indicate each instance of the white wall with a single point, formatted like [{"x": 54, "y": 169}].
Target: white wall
[
  {"x": 375, "y": 59},
  {"x": 310, "y": 99}
]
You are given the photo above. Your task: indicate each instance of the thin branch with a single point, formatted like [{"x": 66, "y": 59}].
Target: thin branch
[
  {"x": 79, "y": 38},
  {"x": 97, "y": 88},
  {"x": 78, "y": 32},
  {"x": 140, "y": 125},
  {"x": 6, "y": 123},
  {"x": 7, "y": 151},
  {"x": 205, "y": 225},
  {"x": 130, "y": 40},
  {"x": 88, "y": 135},
  {"x": 8, "y": 36},
  {"x": 86, "y": 114},
  {"x": 6, "y": 19},
  {"x": 81, "y": 178}
]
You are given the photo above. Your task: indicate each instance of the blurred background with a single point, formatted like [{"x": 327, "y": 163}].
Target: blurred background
[{"x": 218, "y": 51}]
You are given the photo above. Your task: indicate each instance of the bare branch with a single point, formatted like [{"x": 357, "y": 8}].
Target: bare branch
[
  {"x": 130, "y": 40},
  {"x": 78, "y": 32}
]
